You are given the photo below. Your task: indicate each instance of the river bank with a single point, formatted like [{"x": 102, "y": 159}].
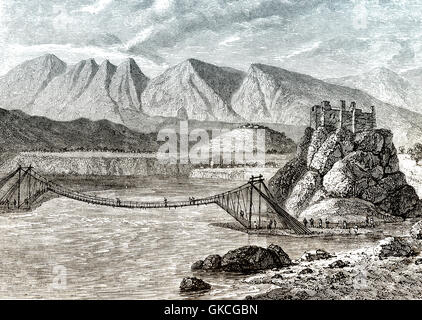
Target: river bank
[{"x": 363, "y": 274}]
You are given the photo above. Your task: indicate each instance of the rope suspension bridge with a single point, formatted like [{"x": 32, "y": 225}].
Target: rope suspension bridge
[{"x": 249, "y": 202}]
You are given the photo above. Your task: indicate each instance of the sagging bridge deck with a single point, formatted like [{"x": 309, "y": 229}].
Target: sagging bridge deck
[{"x": 246, "y": 203}]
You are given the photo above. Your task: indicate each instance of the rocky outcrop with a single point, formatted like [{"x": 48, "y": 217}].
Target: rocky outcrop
[
  {"x": 192, "y": 284},
  {"x": 245, "y": 259},
  {"x": 253, "y": 258},
  {"x": 339, "y": 168},
  {"x": 212, "y": 262}
]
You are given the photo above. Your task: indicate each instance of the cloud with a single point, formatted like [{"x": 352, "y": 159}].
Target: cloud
[
  {"x": 311, "y": 36},
  {"x": 96, "y": 7}
]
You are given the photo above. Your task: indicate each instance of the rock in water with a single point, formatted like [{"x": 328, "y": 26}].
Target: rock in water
[
  {"x": 282, "y": 256},
  {"x": 191, "y": 284},
  {"x": 197, "y": 265},
  {"x": 212, "y": 262},
  {"x": 250, "y": 259}
]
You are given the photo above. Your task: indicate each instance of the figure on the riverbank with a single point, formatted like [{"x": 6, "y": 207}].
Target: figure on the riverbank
[
  {"x": 118, "y": 201},
  {"x": 311, "y": 222},
  {"x": 367, "y": 222},
  {"x": 242, "y": 214},
  {"x": 356, "y": 229},
  {"x": 165, "y": 201},
  {"x": 305, "y": 222},
  {"x": 327, "y": 223},
  {"x": 344, "y": 224},
  {"x": 371, "y": 222},
  {"x": 320, "y": 223},
  {"x": 275, "y": 224},
  {"x": 255, "y": 225},
  {"x": 270, "y": 224}
]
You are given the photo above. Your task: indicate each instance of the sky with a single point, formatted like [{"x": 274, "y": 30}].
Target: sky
[{"x": 331, "y": 38}]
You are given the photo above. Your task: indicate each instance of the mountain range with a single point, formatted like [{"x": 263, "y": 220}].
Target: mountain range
[
  {"x": 386, "y": 85},
  {"x": 46, "y": 86}
]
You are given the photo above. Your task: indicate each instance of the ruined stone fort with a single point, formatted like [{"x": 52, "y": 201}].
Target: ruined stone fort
[{"x": 353, "y": 119}]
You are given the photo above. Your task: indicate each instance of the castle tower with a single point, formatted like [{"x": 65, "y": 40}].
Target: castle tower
[
  {"x": 374, "y": 117},
  {"x": 342, "y": 112},
  {"x": 353, "y": 110}
]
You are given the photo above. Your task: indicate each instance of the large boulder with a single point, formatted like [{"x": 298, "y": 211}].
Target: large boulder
[
  {"x": 250, "y": 259},
  {"x": 336, "y": 145},
  {"x": 281, "y": 183},
  {"x": 282, "y": 256},
  {"x": 212, "y": 262},
  {"x": 402, "y": 202},
  {"x": 372, "y": 140},
  {"x": 197, "y": 265},
  {"x": 191, "y": 284},
  {"x": 303, "y": 192}
]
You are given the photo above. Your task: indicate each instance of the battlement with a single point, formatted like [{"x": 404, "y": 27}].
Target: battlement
[{"x": 352, "y": 118}]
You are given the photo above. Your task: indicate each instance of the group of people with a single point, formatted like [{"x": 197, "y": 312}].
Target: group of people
[
  {"x": 312, "y": 223},
  {"x": 368, "y": 223},
  {"x": 272, "y": 224}
]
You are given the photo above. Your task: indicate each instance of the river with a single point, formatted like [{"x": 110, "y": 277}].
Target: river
[{"x": 68, "y": 249}]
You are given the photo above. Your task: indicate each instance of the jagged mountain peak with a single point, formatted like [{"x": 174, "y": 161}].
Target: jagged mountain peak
[
  {"x": 204, "y": 89},
  {"x": 130, "y": 65},
  {"x": 107, "y": 65}
]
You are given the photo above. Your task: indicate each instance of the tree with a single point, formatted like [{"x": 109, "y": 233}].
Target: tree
[{"x": 416, "y": 152}]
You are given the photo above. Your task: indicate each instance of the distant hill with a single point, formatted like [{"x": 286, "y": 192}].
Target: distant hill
[
  {"x": 21, "y": 132},
  {"x": 387, "y": 86},
  {"x": 271, "y": 93},
  {"x": 203, "y": 92}
]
